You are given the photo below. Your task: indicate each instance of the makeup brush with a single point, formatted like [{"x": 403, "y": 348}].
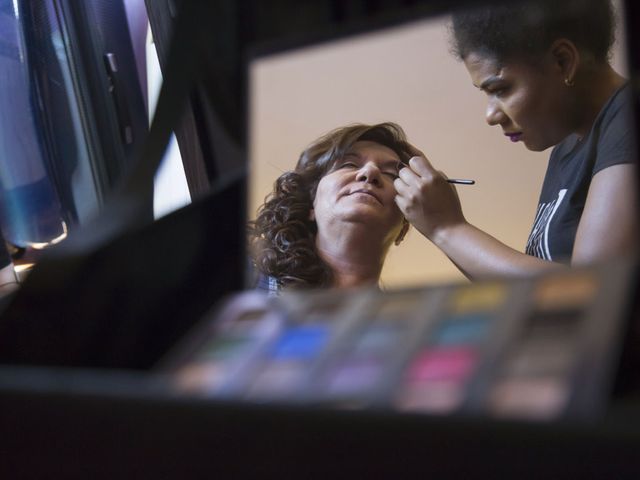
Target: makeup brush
[{"x": 461, "y": 181}]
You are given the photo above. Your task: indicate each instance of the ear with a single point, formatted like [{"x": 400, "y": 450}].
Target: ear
[
  {"x": 403, "y": 232},
  {"x": 566, "y": 59}
]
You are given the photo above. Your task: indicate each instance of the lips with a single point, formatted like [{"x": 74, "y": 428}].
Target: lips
[
  {"x": 366, "y": 192},
  {"x": 515, "y": 136}
]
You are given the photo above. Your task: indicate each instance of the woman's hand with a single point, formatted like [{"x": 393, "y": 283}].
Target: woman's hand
[
  {"x": 432, "y": 205},
  {"x": 426, "y": 199}
]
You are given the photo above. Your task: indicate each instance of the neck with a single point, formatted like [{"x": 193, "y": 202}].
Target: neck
[
  {"x": 354, "y": 255},
  {"x": 594, "y": 88}
]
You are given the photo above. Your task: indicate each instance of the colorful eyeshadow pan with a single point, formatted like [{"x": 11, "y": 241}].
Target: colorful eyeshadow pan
[
  {"x": 290, "y": 360},
  {"x": 363, "y": 365},
  {"x": 534, "y": 359},
  {"x": 225, "y": 348},
  {"x": 301, "y": 342},
  {"x": 377, "y": 339},
  {"x": 480, "y": 297},
  {"x": 440, "y": 396},
  {"x": 200, "y": 377},
  {"x": 536, "y": 398},
  {"x": 354, "y": 375},
  {"x": 565, "y": 291},
  {"x": 278, "y": 378},
  {"x": 467, "y": 328},
  {"x": 216, "y": 363},
  {"x": 442, "y": 363}
]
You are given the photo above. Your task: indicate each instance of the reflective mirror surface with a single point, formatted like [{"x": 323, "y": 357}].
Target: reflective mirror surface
[{"x": 404, "y": 74}]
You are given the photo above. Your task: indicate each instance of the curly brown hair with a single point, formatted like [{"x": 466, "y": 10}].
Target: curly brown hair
[{"x": 282, "y": 237}]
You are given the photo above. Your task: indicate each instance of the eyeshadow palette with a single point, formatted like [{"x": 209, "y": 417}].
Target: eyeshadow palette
[{"x": 537, "y": 348}]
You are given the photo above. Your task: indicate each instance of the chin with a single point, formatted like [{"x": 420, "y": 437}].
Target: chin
[
  {"x": 536, "y": 147},
  {"x": 543, "y": 142}
]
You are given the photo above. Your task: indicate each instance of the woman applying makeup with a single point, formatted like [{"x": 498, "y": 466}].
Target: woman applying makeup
[{"x": 545, "y": 70}]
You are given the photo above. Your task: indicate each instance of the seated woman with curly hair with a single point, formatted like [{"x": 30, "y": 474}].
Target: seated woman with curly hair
[{"x": 331, "y": 221}]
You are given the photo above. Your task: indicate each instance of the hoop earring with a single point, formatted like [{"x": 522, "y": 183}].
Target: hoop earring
[{"x": 569, "y": 82}]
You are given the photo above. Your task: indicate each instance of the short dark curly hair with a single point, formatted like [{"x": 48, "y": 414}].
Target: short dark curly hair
[
  {"x": 282, "y": 237},
  {"x": 524, "y": 30}
]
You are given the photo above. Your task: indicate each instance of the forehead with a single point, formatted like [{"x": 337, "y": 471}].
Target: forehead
[
  {"x": 368, "y": 147},
  {"x": 483, "y": 68}
]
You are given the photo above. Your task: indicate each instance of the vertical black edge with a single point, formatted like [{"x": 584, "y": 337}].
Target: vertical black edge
[{"x": 627, "y": 381}]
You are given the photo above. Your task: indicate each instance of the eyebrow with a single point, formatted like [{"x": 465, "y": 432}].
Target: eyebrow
[
  {"x": 492, "y": 79},
  {"x": 397, "y": 164}
]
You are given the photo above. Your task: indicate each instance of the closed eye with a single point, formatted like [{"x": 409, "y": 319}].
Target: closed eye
[
  {"x": 394, "y": 172},
  {"x": 348, "y": 165},
  {"x": 498, "y": 91}
]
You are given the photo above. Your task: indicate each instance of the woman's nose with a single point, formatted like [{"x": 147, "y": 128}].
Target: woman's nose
[
  {"x": 369, "y": 173},
  {"x": 494, "y": 114}
]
